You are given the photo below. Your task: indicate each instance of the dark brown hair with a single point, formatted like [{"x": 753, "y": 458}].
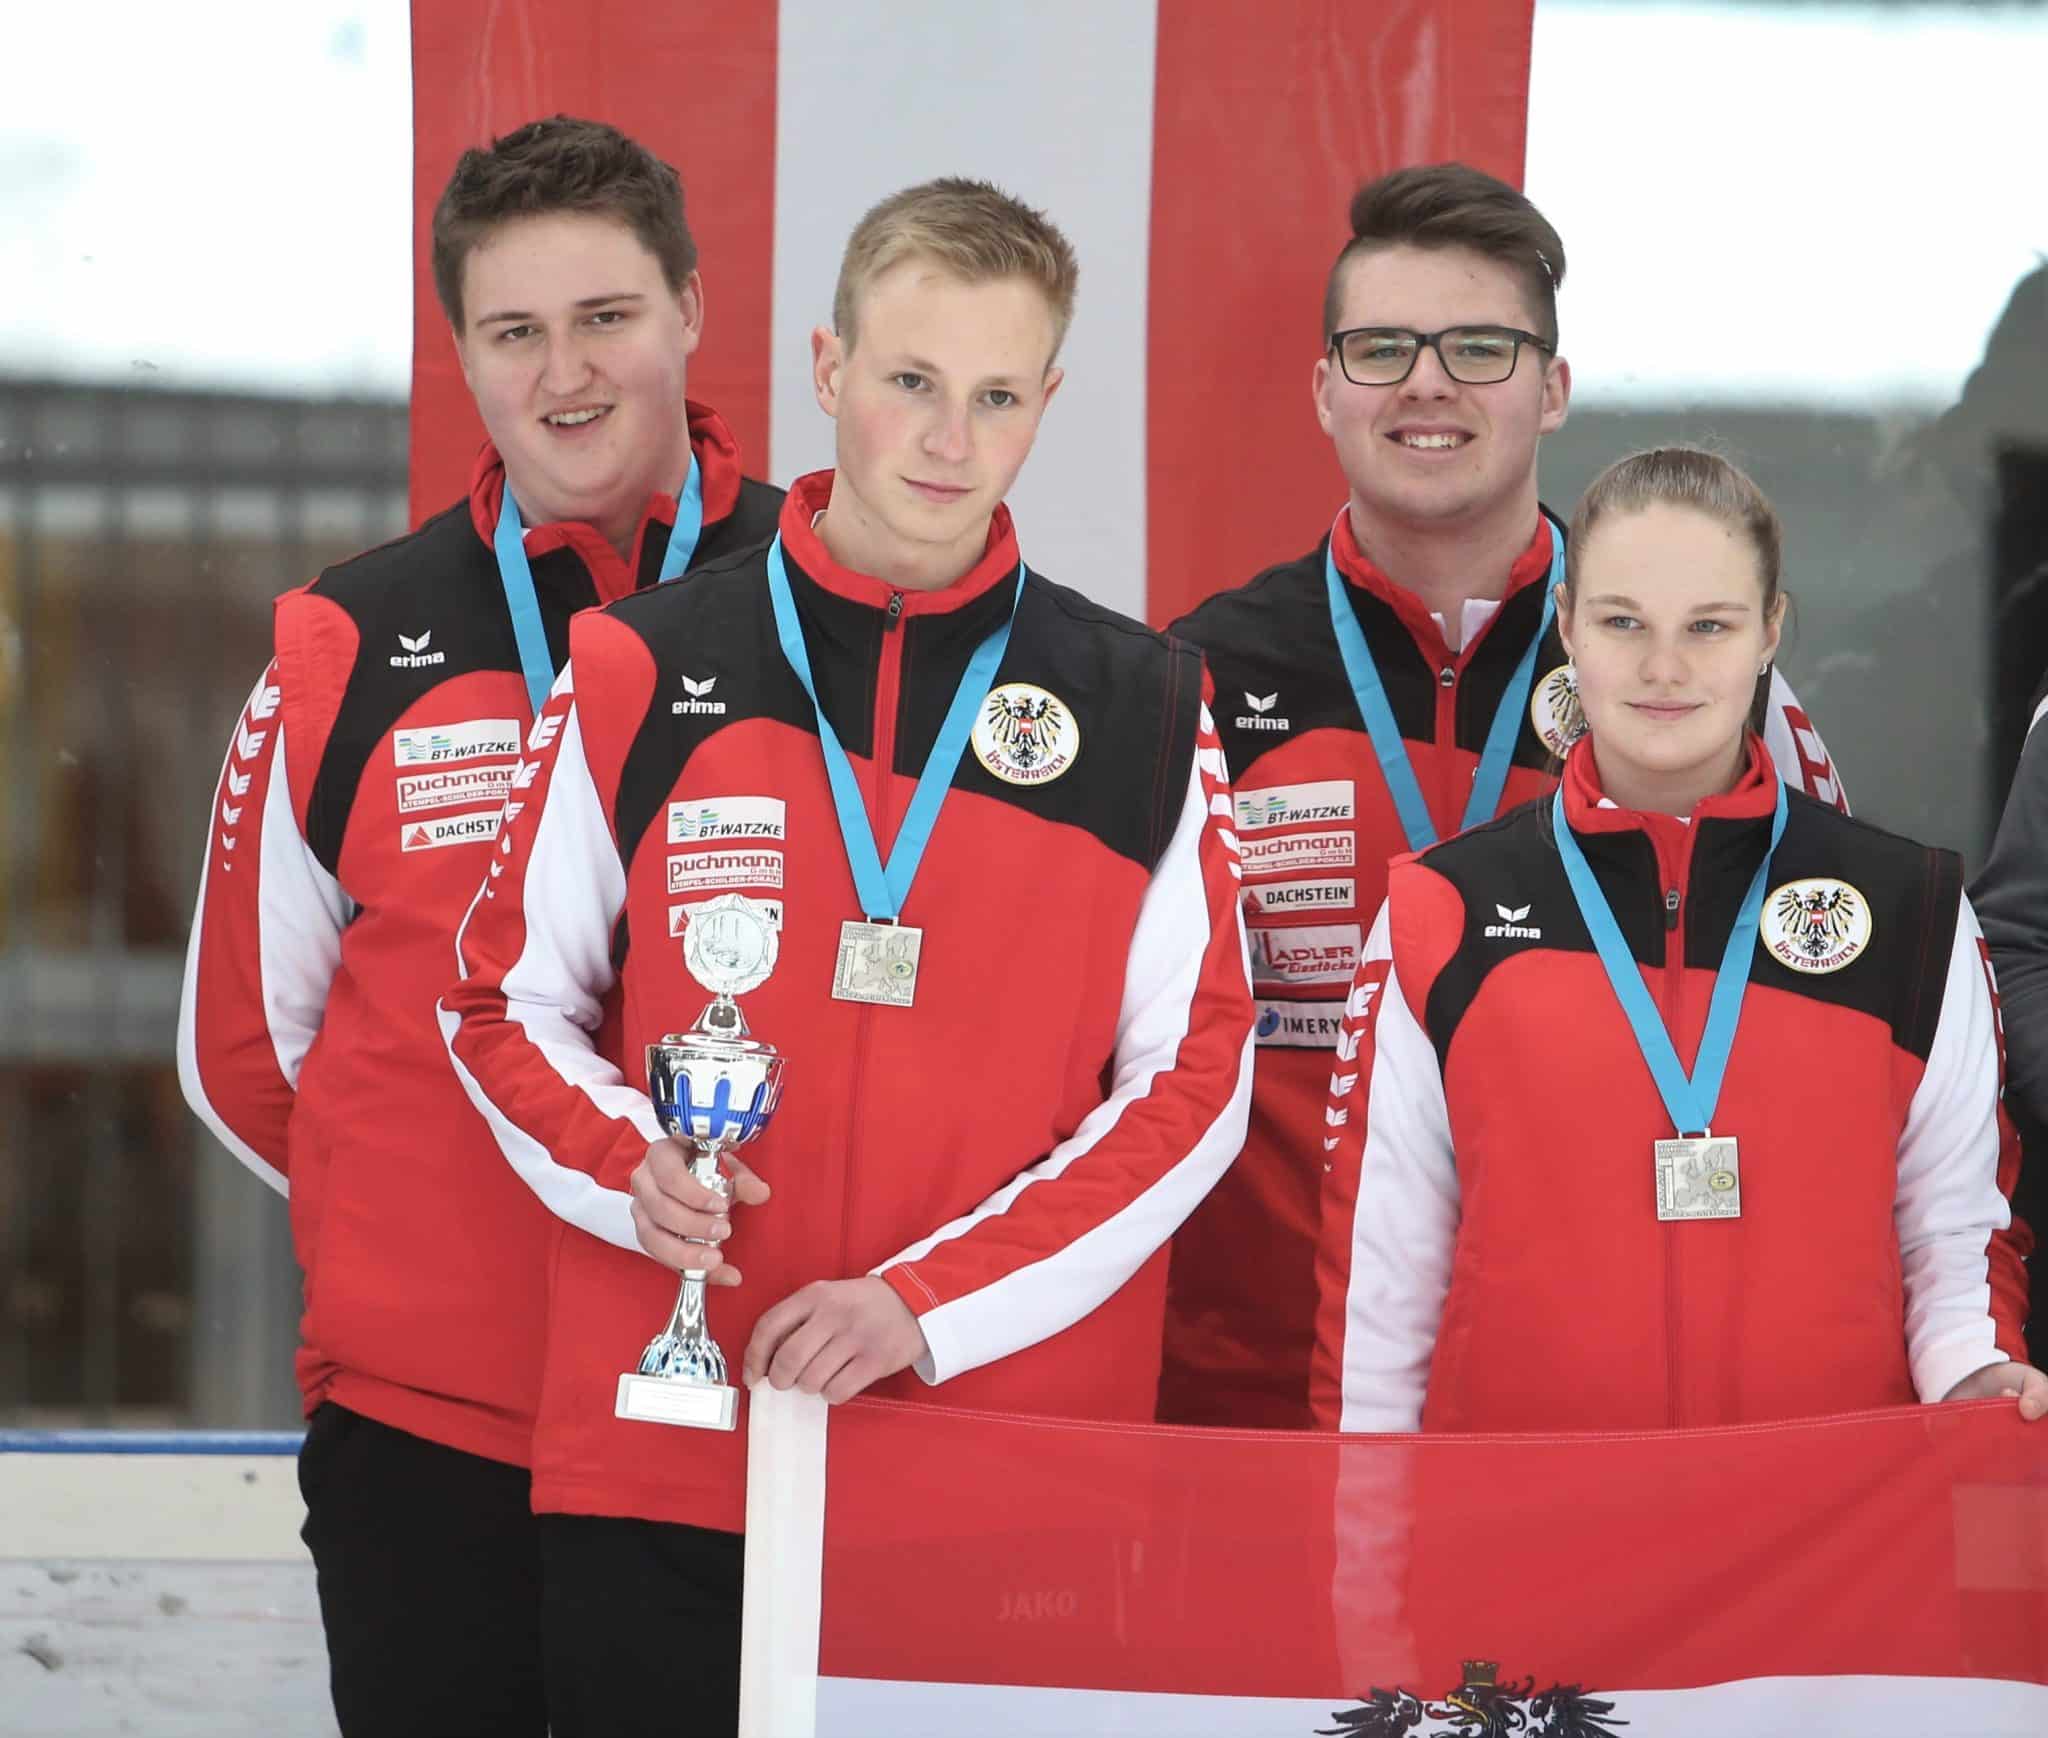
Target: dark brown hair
[
  {"x": 1705, "y": 482},
  {"x": 1438, "y": 205},
  {"x": 971, "y": 229},
  {"x": 560, "y": 164}
]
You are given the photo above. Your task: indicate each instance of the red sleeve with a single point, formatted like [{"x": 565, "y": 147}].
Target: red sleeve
[{"x": 266, "y": 938}]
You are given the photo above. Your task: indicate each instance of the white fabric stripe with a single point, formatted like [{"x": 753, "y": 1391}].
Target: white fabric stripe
[
  {"x": 284, "y": 854},
  {"x": 1405, "y": 1222},
  {"x": 1871, "y": 1707},
  {"x": 1052, "y": 102},
  {"x": 300, "y": 914},
  {"x": 1948, "y": 1202},
  {"x": 1785, "y": 750},
  {"x": 1161, "y": 977},
  {"x": 785, "y": 1562},
  {"x": 554, "y": 991}
]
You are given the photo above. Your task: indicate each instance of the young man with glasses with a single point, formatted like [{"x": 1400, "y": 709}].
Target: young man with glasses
[{"x": 1400, "y": 682}]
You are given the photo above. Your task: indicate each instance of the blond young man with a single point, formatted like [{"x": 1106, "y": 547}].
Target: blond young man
[
  {"x": 353, "y": 820},
  {"x": 979, "y": 1156}
]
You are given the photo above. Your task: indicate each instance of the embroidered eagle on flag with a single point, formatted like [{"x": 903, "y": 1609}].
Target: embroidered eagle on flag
[{"x": 1480, "y": 1707}]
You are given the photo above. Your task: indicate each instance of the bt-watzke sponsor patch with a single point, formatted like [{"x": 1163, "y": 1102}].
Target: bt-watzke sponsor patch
[
  {"x": 474, "y": 739},
  {"x": 1292, "y": 805},
  {"x": 710, "y": 818}
]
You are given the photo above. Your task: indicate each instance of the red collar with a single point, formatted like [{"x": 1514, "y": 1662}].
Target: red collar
[
  {"x": 1755, "y": 794},
  {"x": 1531, "y": 567},
  {"x": 809, "y": 496},
  {"x": 718, "y": 459}
]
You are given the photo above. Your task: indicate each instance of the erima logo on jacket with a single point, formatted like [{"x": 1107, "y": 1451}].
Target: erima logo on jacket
[
  {"x": 1511, "y": 926},
  {"x": 415, "y": 656},
  {"x": 697, "y": 703},
  {"x": 1260, "y": 717}
]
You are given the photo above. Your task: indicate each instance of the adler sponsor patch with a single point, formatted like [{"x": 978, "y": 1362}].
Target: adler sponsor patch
[
  {"x": 1312, "y": 954},
  {"x": 1297, "y": 1025},
  {"x": 459, "y": 787},
  {"x": 1815, "y": 925},
  {"x": 448, "y": 830},
  {"x": 1329, "y": 799},
  {"x": 679, "y": 915},
  {"x": 701, "y": 870},
  {"x": 1554, "y": 710},
  {"x": 1331, "y": 848},
  {"x": 1025, "y": 735},
  {"x": 473, "y": 739},
  {"x": 708, "y": 818},
  {"x": 1330, "y": 895}
]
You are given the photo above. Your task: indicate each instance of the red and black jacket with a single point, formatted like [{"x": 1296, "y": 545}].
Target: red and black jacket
[
  {"x": 1011, "y": 1152},
  {"x": 354, "y": 816},
  {"x": 1491, "y": 1253},
  {"x": 1318, "y": 827}
]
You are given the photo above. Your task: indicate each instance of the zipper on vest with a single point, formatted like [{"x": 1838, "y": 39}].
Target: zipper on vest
[
  {"x": 1450, "y": 800},
  {"x": 888, "y": 702},
  {"x": 1674, "y": 1245}
]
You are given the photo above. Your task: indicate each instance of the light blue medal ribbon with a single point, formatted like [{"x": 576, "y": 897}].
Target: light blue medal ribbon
[
  {"x": 516, "y": 575},
  {"x": 1490, "y": 778},
  {"x": 882, "y": 892},
  {"x": 1690, "y": 1101}
]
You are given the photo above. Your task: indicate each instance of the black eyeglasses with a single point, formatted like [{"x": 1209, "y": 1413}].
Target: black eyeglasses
[{"x": 1471, "y": 355}]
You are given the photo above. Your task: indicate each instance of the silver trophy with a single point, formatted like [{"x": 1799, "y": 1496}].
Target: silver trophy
[{"x": 714, "y": 1087}]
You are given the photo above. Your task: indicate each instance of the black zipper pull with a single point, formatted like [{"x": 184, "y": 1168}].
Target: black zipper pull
[
  {"x": 894, "y": 613},
  {"x": 1671, "y": 909}
]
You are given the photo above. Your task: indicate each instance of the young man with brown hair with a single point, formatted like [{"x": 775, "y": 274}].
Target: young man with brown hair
[
  {"x": 1400, "y": 682},
  {"x": 354, "y": 818},
  {"x": 976, "y": 1163}
]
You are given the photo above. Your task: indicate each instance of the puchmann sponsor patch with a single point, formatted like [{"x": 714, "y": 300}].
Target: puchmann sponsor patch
[
  {"x": 474, "y": 739},
  {"x": 705, "y": 869},
  {"x": 1333, "y": 848},
  {"x": 448, "y": 830},
  {"x": 713, "y": 818},
  {"x": 1330, "y": 799},
  {"x": 456, "y": 788}
]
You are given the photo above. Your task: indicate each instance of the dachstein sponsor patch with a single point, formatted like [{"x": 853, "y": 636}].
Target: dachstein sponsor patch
[
  {"x": 679, "y": 915},
  {"x": 456, "y": 788},
  {"x": 448, "y": 830},
  {"x": 1328, "y": 799},
  {"x": 706, "y": 869},
  {"x": 725, "y": 818},
  {"x": 1333, "y": 895},
  {"x": 476, "y": 739},
  {"x": 1298, "y": 1025},
  {"x": 1310, "y": 954},
  {"x": 1331, "y": 848}
]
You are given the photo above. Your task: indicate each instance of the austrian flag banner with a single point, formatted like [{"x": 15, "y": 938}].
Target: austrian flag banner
[
  {"x": 1200, "y": 154},
  {"x": 921, "y": 1572}
]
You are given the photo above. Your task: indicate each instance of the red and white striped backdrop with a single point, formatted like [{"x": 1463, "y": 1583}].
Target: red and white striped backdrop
[{"x": 1200, "y": 153}]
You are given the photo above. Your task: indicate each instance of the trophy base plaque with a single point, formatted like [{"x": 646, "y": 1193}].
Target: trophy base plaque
[{"x": 665, "y": 1400}]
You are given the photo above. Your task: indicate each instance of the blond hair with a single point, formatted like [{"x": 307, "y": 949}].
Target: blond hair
[
  {"x": 972, "y": 230},
  {"x": 1705, "y": 482}
]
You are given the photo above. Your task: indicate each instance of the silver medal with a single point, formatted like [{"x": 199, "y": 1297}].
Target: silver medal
[
  {"x": 877, "y": 963},
  {"x": 1699, "y": 1178}
]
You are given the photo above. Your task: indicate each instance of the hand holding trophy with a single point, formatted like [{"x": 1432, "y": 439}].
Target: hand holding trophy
[{"x": 714, "y": 1087}]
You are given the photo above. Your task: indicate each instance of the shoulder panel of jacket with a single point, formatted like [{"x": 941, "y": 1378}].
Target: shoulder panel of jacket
[{"x": 423, "y": 608}]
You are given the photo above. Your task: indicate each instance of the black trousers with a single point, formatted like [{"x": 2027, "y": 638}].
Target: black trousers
[
  {"x": 642, "y": 1626},
  {"x": 429, "y": 1570}
]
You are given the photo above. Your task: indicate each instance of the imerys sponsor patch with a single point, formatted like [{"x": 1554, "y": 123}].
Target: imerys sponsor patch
[
  {"x": 1025, "y": 734},
  {"x": 1816, "y": 925}
]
